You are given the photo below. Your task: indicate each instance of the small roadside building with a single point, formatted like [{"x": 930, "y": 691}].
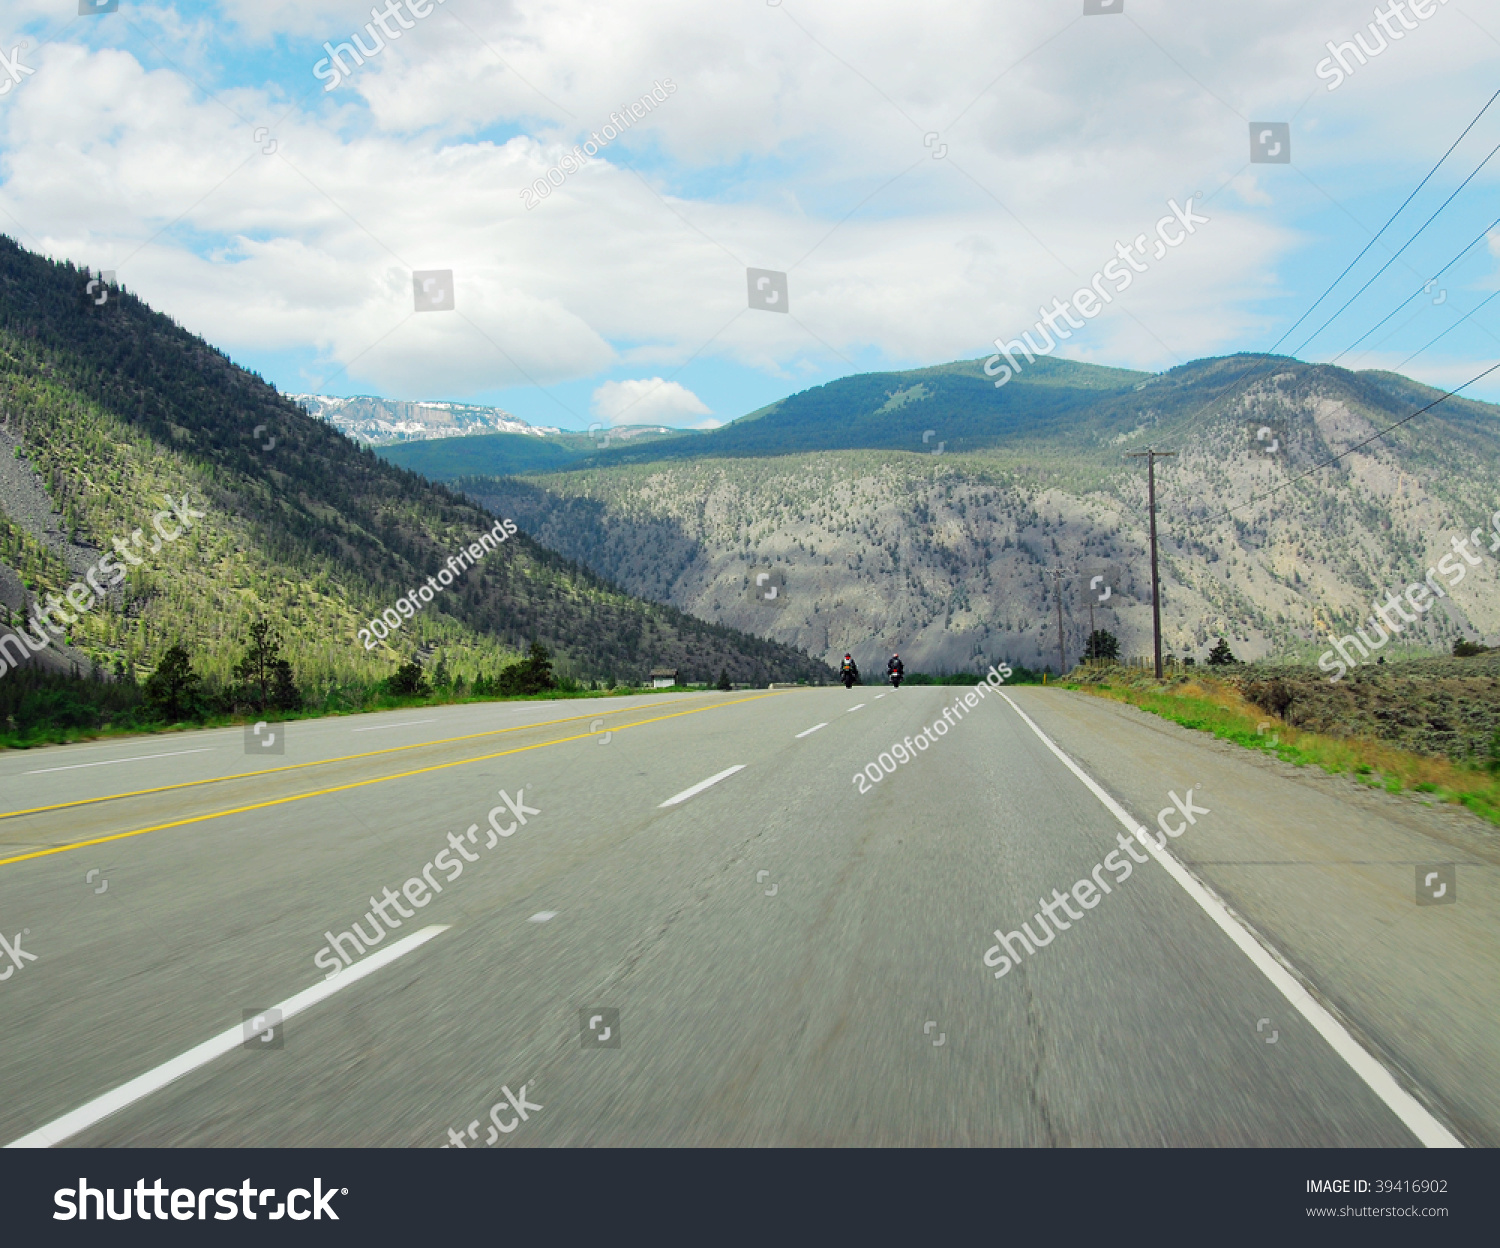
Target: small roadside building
[{"x": 663, "y": 677}]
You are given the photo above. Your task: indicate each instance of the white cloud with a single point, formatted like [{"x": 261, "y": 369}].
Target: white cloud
[
  {"x": 1061, "y": 138},
  {"x": 650, "y": 401}
]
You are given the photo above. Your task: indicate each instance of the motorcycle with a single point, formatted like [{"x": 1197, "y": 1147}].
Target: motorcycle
[
  {"x": 850, "y": 677},
  {"x": 895, "y": 680}
]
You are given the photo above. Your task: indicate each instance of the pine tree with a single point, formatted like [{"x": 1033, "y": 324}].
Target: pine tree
[
  {"x": 1102, "y": 644},
  {"x": 172, "y": 689},
  {"x": 724, "y": 684},
  {"x": 285, "y": 693},
  {"x": 259, "y": 665},
  {"x": 1221, "y": 655}
]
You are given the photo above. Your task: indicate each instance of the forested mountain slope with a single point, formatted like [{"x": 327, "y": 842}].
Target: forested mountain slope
[{"x": 115, "y": 407}]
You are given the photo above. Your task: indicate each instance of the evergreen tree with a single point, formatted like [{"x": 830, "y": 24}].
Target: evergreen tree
[
  {"x": 172, "y": 689},
  {"x": 1221, "y": 655},
  {"x": 259, "y": 666},
  {"x": 285, "y": 693},
  {"x": 724, "y": 684},
  {"x": 1102, "y": 644}
]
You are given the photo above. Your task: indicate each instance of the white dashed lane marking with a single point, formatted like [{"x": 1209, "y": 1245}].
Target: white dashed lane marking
[
  {"x": 140, "y": 758},
  {"x": 700, "y": 786}
]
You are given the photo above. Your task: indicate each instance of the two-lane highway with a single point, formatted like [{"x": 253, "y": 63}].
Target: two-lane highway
[{"x": 778, "y": 957}]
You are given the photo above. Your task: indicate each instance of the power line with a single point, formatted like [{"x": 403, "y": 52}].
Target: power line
[
  {"x": 1387, "y": 225},
  {"x": 1192, "y": 420},
  {"x": 1397, "y": 256},
  {"x": 1447, "y": 331},
  {"x": 1420, "y": 290},
  {"x": 1260, "y": 498}
]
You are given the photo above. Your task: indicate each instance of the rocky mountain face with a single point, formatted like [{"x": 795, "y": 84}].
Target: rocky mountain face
[
  {"x": 954, "y": 531},
  {"x": 384, "y": 422}
]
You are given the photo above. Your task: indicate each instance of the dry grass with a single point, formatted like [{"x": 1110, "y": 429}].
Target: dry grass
[{"x": 1212, "y": 706}]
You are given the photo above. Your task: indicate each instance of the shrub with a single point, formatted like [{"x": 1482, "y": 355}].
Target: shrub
[{"x": 409, "y": 682}]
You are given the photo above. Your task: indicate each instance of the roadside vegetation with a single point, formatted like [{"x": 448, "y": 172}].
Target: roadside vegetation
[
  {"x": 1018, "y": 676},
  {"x": 1226, "y": 705},
  {"x": 44, "y": 708}
]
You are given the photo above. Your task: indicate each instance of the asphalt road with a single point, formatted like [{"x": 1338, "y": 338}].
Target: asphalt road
[{"x": 793, "y": 962}]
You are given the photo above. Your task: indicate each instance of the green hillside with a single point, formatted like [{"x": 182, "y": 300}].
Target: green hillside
[
  {"x": 962, "y": 407},
  {"x": 506, "y": 454},
  {"x": 115, "y": 407}
]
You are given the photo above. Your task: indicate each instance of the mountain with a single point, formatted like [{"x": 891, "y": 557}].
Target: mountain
[
  {"x": 928, "y": 511},
  {"x": 379, "y": 422},
  {"x": 107, "y": 408},
  {"x": 503, "y": 454}
]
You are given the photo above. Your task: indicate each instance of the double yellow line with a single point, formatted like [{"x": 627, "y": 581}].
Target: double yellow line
[{"x": 339, "y": 788}]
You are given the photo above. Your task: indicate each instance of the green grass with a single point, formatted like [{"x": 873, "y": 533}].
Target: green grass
[{"x": 1207, "y": 705}]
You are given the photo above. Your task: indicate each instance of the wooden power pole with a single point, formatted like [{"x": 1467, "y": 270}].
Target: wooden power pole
[
  {"x": 1062, "y": 665},
  {"x": 1151, "y": 456}
]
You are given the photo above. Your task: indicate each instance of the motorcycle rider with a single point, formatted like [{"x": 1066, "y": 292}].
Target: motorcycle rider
[
  {"x": 848, "y": 672},
  {"x": 895, "y": 669}
]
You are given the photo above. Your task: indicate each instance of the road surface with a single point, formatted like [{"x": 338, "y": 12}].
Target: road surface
[{"x": 777, "y": 957}]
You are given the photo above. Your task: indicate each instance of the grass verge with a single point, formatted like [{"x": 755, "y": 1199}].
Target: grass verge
[{"x": 1210, "y": 706}]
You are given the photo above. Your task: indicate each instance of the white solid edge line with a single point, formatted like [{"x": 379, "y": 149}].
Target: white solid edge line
[
  {"x": 810, "y": 731},
  {"x": 110, "y": 762},
  {"x": 1413, "y": 1114},
  {"x": 101, "y": 1107},
  {"x": 410, "y": 723},
  {"x": 700, "y": 786}
]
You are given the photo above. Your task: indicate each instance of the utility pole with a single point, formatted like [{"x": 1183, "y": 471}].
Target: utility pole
[
  {"x": 1090, "y": 653},
  {"x": 1151, "y": 456},
  {"x": 1057, "y": 593}
]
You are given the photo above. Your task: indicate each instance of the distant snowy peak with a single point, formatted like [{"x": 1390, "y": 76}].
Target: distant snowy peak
[{"x": 380, "y": 422}]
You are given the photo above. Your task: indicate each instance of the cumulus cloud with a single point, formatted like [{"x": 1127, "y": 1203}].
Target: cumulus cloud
[
  {"x": 651, "y": 401},
  {"x": 918, "y": 214}
]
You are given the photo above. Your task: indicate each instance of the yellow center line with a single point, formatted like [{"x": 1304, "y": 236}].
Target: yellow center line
[
  {"x": 321, "y": 762},
  {"x": 359, "y": 784}
]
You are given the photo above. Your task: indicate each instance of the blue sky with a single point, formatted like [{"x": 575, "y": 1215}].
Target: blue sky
[{"x": 929, "y": 178}]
